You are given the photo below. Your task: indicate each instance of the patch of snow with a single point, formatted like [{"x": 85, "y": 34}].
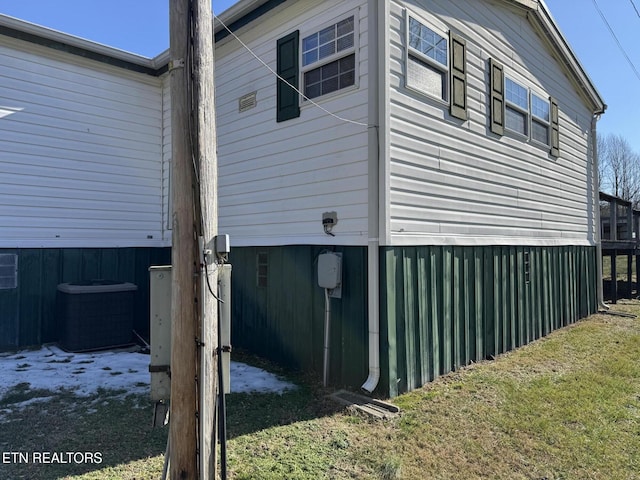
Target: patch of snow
[{"x": 53, "y": 369}]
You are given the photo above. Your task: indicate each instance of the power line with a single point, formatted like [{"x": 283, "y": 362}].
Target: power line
[
  {"x": 604, "y": 19},
  {"x": 635, "y": 8}
]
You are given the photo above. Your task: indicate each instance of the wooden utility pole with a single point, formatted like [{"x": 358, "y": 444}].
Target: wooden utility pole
[
  {"x": 192, "y": 432},
  {"x": 205, "y": 147}
]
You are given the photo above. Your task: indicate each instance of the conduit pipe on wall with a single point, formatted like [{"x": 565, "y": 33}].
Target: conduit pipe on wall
[
  {"x": 596, "y": 179},
  {"x": 327, "y": 336}
]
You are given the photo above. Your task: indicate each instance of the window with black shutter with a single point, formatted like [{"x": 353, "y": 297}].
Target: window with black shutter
[{"x": 288, "y": 69}]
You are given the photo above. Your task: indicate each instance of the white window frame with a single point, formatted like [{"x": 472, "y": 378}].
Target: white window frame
[
  {"x": 546, "y": 122},
  {"x": 530, "y": 117},
  {"x": 307, "y": 31},
  {"x": 440, "y": 29},
  {"x": 518, "y": 108}
]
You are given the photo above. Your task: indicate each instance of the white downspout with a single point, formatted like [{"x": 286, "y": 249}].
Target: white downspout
[
  {"x": 596, "y": 176},
  {"x": 378, "y": 57},
  {"x": 374, "y": 317}
]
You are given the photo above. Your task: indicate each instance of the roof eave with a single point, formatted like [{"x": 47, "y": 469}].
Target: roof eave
[
  {"x": 541, "y": 19},
  {"x": 27, "y": 29}
]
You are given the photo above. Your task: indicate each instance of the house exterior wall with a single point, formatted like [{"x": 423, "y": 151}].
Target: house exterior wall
[
  {"x": 454, "y": 181},
  {"x": 28, "y": 312},
  {"x": 276, "y": 179},
  {"x": 486, "y": 241},
  {"x": 444, "y": 306},
  {"x": 81, "y": 180},
  {"x": 281, "y": 316},
  {"x": 81, "y": 152}
]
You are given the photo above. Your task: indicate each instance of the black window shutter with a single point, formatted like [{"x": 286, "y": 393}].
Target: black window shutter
[
  {"x": 458, "y": 47},
  {"x": 496, "y": 87},
  {"x": 287, "y": 63},
  {"x": 555, "y": 128}
]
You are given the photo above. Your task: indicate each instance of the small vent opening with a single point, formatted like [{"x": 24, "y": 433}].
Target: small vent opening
[
  {"x": 8, "y": 271},
  {"x": 247, "y": 102},
  {"x": 262, "y": 269}
]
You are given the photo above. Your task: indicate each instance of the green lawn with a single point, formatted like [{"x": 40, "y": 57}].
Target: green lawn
[{"x": 564, "y": 407}]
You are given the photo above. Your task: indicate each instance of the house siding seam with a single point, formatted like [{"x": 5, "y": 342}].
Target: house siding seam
[{"x": 444, "y": 307}]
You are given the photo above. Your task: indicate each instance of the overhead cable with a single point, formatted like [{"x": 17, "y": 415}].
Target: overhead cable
[
  {"x": 342, "y": 119},
  {"x": 604, "y": 19}
]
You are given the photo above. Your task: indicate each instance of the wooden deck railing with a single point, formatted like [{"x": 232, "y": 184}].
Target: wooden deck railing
[{"x": 620, "y": 236}]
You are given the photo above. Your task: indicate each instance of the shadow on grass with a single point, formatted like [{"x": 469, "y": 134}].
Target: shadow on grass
[
  {"x": 251, "y": 412},
  {"x": 40, "y": 437},
  {"x": 118, "y": 427},
  {"x": 625, "y": 290}
]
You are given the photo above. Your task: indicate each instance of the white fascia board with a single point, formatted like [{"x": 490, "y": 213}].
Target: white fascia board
[
  {"x": 71, "y": 40},
  {"x": 541, "y": 19},
  {"x": 237, "y": 11}
]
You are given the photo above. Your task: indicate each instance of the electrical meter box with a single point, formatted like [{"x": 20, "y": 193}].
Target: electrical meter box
[
  {"x": 330, "y": 270},
  {"x": 160, "y": 361}
]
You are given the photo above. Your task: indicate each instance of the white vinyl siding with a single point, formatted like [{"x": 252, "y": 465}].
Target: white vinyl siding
[
  {"x": 80, "y": 152},
  {"x": 276, "y": 179},
  {"x": 459, "y": 184}
]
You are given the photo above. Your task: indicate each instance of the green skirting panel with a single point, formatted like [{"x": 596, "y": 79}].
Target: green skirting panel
[
  {"x": 443, "y": 307},
  {"x": 278, "y": 310},
  {"x": 27, "y": 312}
]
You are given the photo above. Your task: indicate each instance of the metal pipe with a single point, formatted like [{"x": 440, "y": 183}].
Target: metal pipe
[
  {"x": 596, "y": 181},
  {"x": 327, "y": 335}
]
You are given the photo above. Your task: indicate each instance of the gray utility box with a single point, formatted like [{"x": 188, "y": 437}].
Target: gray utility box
[
  {"x": 160, "y": 310},
  {"x": 95, "y": 314}
]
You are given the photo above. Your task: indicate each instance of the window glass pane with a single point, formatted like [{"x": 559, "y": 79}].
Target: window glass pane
[
  {"x": 348, "y": 63},
  {"x": 328, "y": 41},
  {"x": 312, "y": 90},
  {"x": 330, "y": 84},
  {"x": 330, "y": 70},
  {"x": 347, "y": 79},
  {"x": 540, "y": 107},
  {"x": 310, "y": 42},
  {"x": 345, "y": 42},
  {"x": 345, "y": 26},
  {"x": 540, "y": 132},
  {"x": 425, "y": 77},
  {"x": 428, "y": 42},
  {"x": 310, "y": 57},
  {"x": 327, "y": 50},
  {"x": 327, "y": 34},
  {"x": 312, "y": 76},
  {"x": 516, "y": 94},
  {"x": 516, "y": 120},
  {"x": 330, "y": 77}
]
